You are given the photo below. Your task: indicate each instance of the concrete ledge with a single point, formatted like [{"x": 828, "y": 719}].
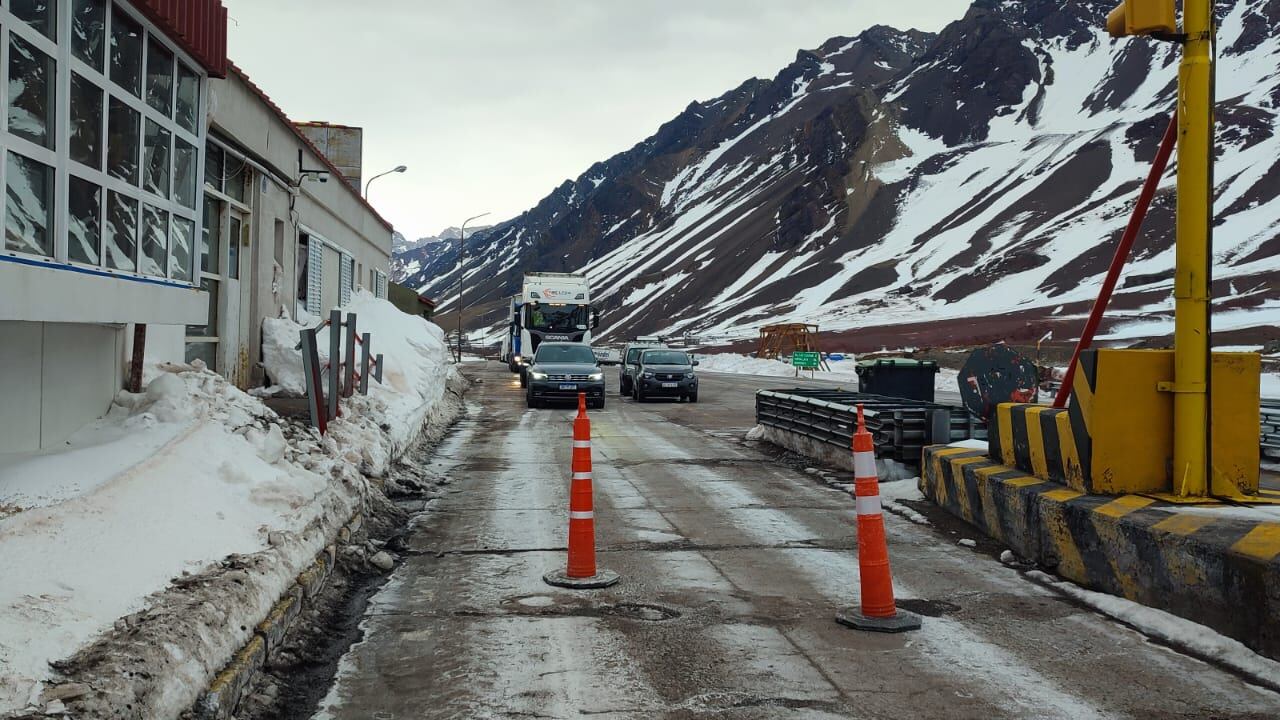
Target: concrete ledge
[
  {"x": 273, "y": 628},
  {"x": 1203, "y": 565},
  {"x": 219, "y": 702}
]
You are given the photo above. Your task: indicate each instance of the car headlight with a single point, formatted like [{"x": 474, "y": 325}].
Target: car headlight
[
  {"x": 689, "y": 376},
  {"x": 538, "y": 375},
  {"x": 518, "y": 359},
  {"x": 596, "y": 376},
  {"x": 647, "y": 376}
]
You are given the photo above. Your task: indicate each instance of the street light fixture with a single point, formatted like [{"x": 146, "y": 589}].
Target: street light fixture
[
  {"x": 462, "y": 270},
  {"x": 396, "y": 169}
]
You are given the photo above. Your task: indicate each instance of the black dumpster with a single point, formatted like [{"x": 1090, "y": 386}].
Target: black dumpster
[{"x": 897, "y": 377}]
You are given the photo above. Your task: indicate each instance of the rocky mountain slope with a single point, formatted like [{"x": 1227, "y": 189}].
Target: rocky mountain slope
[
  {"x": 901, "y": 177},
  {"x": 410, "y": 256}
]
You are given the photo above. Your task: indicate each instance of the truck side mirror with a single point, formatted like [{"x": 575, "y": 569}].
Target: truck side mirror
[
  {"x": 695, "y": 362},
  {"x": 595, "y": 318}
]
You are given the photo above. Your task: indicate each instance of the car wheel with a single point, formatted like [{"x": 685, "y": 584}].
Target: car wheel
[
  {"x": 640, "y": 394},
  {"x": 693, "y": 397},
  {"x": 524, "y": 379},
  {"x": 623, "y": 390},
  {"x": 528, "y": 398},
  {"x": 598, "y": 404}
]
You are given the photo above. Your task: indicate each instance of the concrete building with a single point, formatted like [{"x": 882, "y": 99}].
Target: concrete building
[
  {"x": 100, "y": 151},
  {"x": 282, "y": 232}
]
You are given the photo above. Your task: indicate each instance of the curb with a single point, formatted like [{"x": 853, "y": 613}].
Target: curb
[
  {"x": 226, "y": 691},
  {"x": 1219, "y": 571}
]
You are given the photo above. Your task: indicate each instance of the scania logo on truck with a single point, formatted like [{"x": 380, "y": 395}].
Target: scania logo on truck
[{"x": 557, "y": 337}]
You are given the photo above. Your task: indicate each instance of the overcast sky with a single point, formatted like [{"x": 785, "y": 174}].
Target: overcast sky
[{"x": 493, "y": 103}]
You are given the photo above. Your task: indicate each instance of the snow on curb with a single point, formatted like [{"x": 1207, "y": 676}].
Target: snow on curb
[
  {"x": 176, "y": 523},
  {"x": 1197, "y": 639}
]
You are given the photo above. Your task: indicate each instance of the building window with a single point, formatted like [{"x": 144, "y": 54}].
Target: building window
[
  {"x": 122, "y": 232},
  {"x": 88, "y": 30},
  {"x": 126, "y": 51},
  {"x": 86, "y": 122},
  {"x": 28, "y": 218},
  {"x": 31, "y": 96},
  {"x": 84, "y": 208},
  {"x": 103, "y": 114},
  {"x": 41, "y": 15}
]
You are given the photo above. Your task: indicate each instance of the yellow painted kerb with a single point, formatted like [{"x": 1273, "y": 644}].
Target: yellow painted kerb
[
  {"x": 1035, "y": 438},
  {"x": 1262, "y": 542},
  {"x": 1124, "y": 505}
]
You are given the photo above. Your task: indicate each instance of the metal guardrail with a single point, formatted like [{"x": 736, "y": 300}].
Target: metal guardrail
[
  {"x": 900, "y": 428},
  {"x": 1271, "y": 430}
]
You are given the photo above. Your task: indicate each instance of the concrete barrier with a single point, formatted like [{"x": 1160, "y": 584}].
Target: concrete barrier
[{"x": 1215, "y": 567}]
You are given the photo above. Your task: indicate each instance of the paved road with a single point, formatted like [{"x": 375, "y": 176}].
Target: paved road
[{"x": 733, "y": 566}]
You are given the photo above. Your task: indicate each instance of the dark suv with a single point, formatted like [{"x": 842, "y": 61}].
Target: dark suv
[
  {"x": 665, "y": 373},
  {"x": 631, "y": 359},
  {"x": 561, "y": 370}
]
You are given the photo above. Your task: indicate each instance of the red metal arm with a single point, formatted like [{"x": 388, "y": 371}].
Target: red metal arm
[{"x": 1122, "y": 255}]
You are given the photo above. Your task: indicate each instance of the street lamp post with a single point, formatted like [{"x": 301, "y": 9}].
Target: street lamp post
[
  {"x": 396, "y": 169},
  {"x": 462, "y": 269}
]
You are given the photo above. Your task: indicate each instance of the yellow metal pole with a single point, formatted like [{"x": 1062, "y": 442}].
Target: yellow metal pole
[{"x": 1192, "y": 256}]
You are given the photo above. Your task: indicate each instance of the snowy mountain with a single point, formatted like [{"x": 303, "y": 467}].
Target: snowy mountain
[
  {"x": 901, "y": 178},
  {"x": 410, "y": 256}
]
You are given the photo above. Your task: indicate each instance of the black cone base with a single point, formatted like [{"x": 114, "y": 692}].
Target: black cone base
[{"x": 602, "y": 578}]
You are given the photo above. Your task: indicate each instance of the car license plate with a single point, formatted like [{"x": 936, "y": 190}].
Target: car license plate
[
  {"x": 670, "y": 385},
  {"x": 568, "y": 387}
]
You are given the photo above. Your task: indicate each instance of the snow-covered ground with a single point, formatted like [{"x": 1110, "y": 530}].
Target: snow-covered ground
[
  {"x": 841, "y": 371},
  {"x": 176, "y": 478},
  {"x": 745, "y": 365}
]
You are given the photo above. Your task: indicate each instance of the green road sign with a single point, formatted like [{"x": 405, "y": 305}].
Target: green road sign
[{"x": 806, "y": 360}]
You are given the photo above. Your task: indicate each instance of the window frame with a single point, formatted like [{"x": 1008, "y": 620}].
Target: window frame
[{"x": 65, "y": 63}]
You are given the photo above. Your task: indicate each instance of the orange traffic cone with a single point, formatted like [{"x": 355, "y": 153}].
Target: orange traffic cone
[
  {"x": 878, "y": 611},
  {"x": 581, "y": 571}
]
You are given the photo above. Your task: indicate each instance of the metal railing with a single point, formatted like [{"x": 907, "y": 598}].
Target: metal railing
[
  {"x": 900, "y": 428},
  {"x": 340, "y": 370},
  {"x": 1270, "y": 430}
]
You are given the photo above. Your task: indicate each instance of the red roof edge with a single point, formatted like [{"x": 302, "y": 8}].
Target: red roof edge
[
  {"x": 199, "y": 27},
  {"x": 333, "y": 169}
]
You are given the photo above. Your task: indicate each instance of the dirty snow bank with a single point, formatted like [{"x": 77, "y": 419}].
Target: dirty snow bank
[{"x": 141, "y": 556}]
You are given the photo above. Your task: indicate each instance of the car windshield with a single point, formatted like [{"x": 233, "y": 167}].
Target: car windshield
[
  {"x": 557, "y": 318},
  {"x": 565, "y": 354},
  {"x": 665, "y": 357}
]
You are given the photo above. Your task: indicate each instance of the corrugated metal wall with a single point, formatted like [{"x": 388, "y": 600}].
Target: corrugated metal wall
[{"x": 199, "y": 26}]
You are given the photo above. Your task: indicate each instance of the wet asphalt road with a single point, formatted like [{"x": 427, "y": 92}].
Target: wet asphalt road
[{"x": 733, "y": 566}]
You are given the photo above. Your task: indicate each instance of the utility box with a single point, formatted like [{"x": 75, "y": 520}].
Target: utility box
[
  {"x": 342, "y": 145},
  {"x": 897, "y": 377}
]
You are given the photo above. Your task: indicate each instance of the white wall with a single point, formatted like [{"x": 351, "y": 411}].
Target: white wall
[
  {"x": 57, "y": 377},
  {"x": 330, "y": 210}
]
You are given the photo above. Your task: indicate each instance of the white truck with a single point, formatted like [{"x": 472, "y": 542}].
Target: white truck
[{"x": 550, "y": 306}]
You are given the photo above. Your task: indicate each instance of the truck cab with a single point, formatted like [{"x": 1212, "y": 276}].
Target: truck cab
[{"x": 552, "y": 307}]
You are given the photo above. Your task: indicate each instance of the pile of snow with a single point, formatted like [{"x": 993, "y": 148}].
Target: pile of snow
[
  {"x": 746, "y": 365},
  {"x": 173, "y": 481},
  {"x": 415, "y": 360}
]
